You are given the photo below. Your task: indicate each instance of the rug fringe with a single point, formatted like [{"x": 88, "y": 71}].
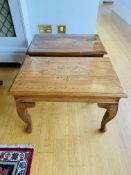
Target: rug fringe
[{"x": 16, "y": 146}]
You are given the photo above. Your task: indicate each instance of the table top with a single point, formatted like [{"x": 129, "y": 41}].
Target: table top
[
  {"x": 66, "y": 45},
  {"x": 76, "y": 77}
]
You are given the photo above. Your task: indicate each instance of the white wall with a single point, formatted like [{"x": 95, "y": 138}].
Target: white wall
[
  {"x": 26, "y": 22},
  {"x": 123, "y": 9},
  {"x": 78, "y": 15}
]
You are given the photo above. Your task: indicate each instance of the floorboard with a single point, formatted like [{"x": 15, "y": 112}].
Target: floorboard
[{"x": 65, "y": 135}]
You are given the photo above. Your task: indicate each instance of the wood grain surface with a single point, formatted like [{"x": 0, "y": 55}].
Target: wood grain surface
[
  {"x": 66, "y": 45},
  {"x": 67, "y": 77},
  {"x": 66, "y": 138}
]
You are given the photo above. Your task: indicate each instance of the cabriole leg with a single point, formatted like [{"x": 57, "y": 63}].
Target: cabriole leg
[
  {"x": 111, "y": 111},
  {"x": 23, "y": 113}
]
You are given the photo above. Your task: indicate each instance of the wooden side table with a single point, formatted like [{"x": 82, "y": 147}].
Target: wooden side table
[
  {"x": 84, "y": 79},
  {"x": 66, "y": 46}
]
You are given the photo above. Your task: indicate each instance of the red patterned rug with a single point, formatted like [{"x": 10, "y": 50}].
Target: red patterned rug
[{"x": 15, "y": 160}]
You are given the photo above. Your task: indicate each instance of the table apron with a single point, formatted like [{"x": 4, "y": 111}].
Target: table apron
[{"x": 67, "y": 99}]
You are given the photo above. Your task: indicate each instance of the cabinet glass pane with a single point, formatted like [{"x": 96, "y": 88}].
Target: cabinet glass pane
[{"x": 6, "y": 23}]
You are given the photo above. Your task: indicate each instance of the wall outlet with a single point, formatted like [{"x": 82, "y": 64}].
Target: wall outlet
[
  {"x": 61, "y": 29},
  {"x": 45, "y": 28}
]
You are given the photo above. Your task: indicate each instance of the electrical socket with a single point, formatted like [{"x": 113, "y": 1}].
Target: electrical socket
[
  {"x": 61, "y": 29},
  {"x": 45, "y": 28}
]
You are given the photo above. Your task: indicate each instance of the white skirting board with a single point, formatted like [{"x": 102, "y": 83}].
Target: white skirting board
[
  {"x": 108, "y": 1},
  {"x": 12, "y": 57}
]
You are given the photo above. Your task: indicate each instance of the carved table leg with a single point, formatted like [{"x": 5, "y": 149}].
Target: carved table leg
[
  {"x": 23, "y": 113},
  {"x": 109, "y": 114}
]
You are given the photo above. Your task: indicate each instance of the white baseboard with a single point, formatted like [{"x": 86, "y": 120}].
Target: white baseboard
[{"x": 12, "y": 57}]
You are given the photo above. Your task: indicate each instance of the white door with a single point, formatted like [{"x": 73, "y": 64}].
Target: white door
[{"x": 11, "y": 45}]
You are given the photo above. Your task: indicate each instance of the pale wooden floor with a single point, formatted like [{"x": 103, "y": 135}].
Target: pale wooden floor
[{"x": 65, "y": 134}]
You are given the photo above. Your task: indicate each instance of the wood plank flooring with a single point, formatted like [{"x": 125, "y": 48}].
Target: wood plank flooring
[{"x": 65, "y": 135}]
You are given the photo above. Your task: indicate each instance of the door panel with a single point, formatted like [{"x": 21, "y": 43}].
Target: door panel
[
  {"x": 12, "y": 33},
  {"x": 6, "y": 23}
]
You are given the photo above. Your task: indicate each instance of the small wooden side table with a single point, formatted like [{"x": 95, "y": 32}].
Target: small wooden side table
[
  {"x": 66, "y": 45},
  {"x": 84, "y": 79}
]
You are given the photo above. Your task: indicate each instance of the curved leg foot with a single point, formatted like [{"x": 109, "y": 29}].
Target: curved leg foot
[
  {"x": 23, "y": 113},
  {"x": 111, "y": 111}
]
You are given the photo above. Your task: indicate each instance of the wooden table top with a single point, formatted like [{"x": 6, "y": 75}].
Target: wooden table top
[
  {"x": 56, "y": 76},
  {"x": 66, "y": 45}
]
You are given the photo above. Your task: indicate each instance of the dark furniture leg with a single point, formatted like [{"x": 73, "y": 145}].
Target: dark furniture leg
[
  {"x": 111, "y": 111},
  {"x": 23, "y": 113},
  {"x": 1, "y": 82}
]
